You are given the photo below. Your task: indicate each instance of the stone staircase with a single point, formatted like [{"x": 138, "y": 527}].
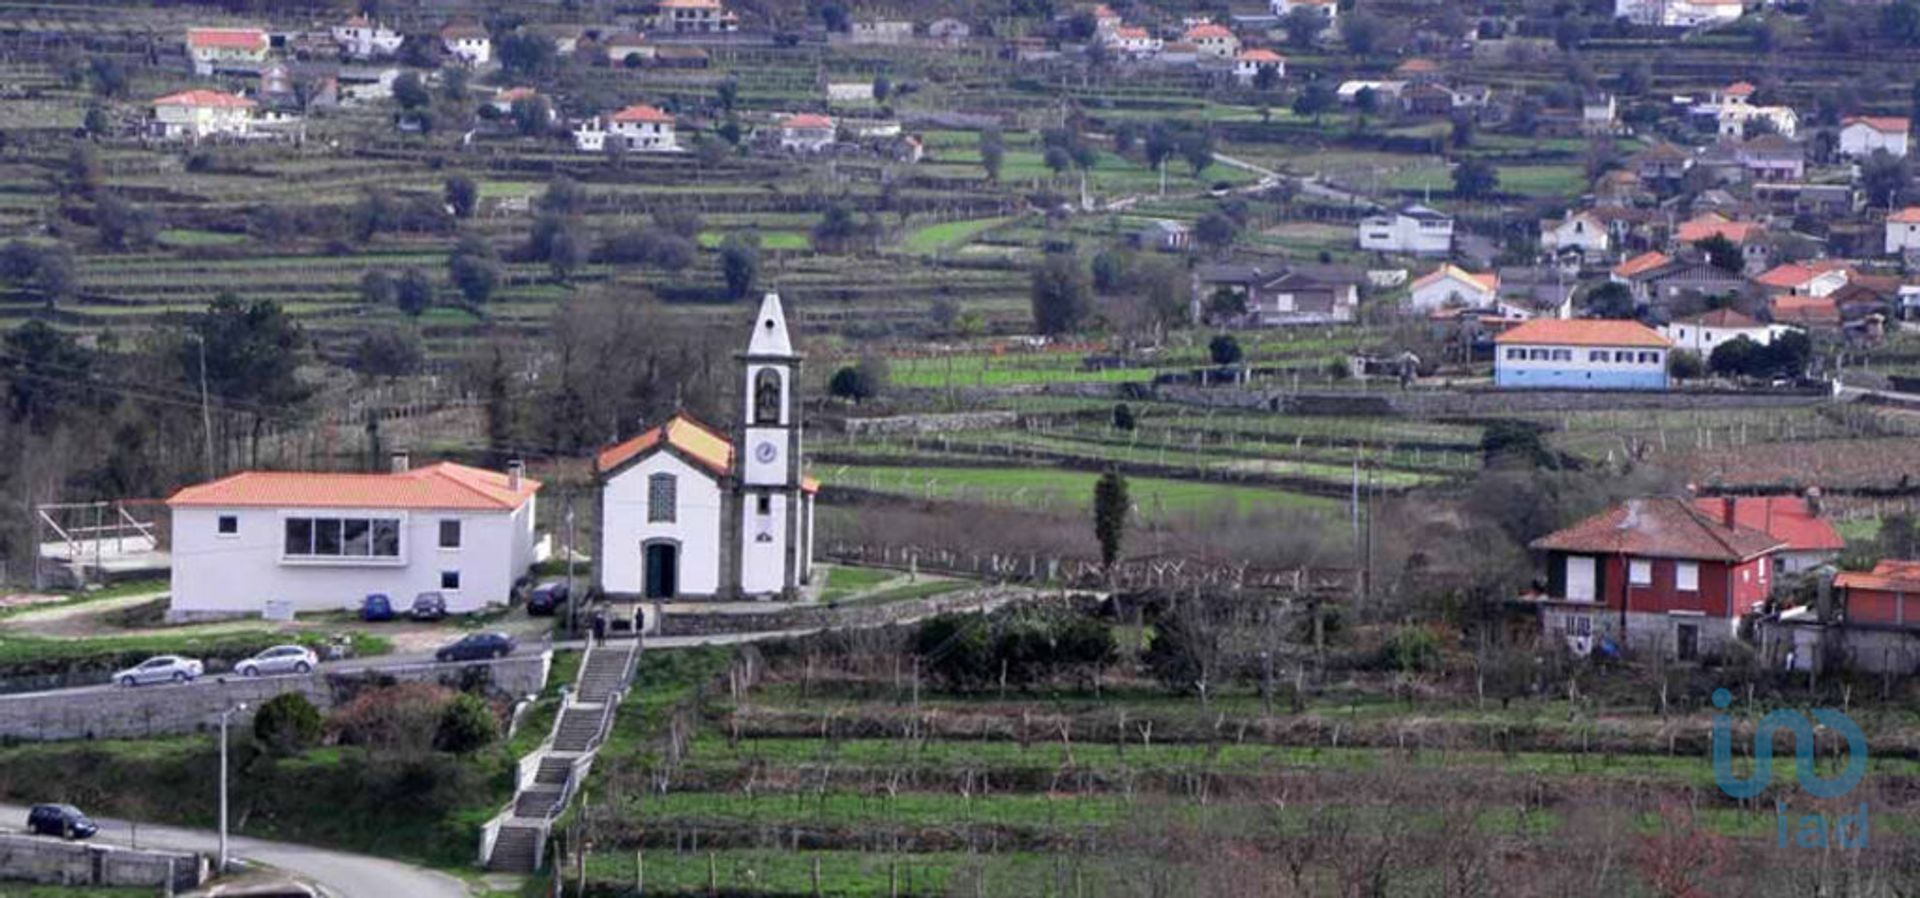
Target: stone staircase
[{"x": 515, "y": 840}]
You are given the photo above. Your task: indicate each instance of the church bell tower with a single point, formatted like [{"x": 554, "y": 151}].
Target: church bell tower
[{"x": 769, "y": 457}]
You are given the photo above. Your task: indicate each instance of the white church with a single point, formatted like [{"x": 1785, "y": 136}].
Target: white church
[{"x": 686, "y": 512}]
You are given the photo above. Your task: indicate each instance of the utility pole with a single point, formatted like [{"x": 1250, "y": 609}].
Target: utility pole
[
  {"x": 572, "y": 618},
  {"x": 225, "y": 716},
  {"x": 206, "y": 410}
]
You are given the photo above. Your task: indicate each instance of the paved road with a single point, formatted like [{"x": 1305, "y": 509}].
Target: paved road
[
  {"x": 340, "y": 874},
  {"x": 214, "y": 680}
]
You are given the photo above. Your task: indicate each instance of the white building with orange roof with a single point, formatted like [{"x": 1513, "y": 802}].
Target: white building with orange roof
[
  {"x": 1581, "y": 354},
  {"x": 1247, "y": 65},
  {"x": 1863, "y": 135},
  {"x": 324, "y": 541},
  {"x": 639, "y": 128},
  {"x": 1903, "y": 231},
  {"x": 695, "y": 17},
  {"x": 688, "y": 511},
  {"x": 1453, "y": 286},
  {"x": 200, "y": 114},
  {"x": 805, "y": 132},
  {"x": 468, "y": 41},
  {"x": 1133, "y": 40},
  {"x": 212, "y": 49},
  {"x": 362, "y": 37},
  {"x": 1214, "y": 41}
]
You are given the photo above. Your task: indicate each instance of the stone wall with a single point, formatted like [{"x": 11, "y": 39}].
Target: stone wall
[
  {"x": 913, "y": 424},
  {"x": 816, "y": 617},
  {"x": 1475, "y": 403},
  {"x": 40, "y": 859},
  {"x": 115, "y": 712}
]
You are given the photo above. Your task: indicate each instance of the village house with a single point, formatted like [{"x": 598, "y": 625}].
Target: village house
[
  {"x": 1581, "y": 354},
  {"x": 637, "y": 129},
  {"x": 363, "y": 38},
  {"x": 1654, "y": 574},
  {"x": 1809, "y": 312},
  {"x": 1164, "y": 235},
  {"x": 628, "y": 48},
  {"x": 890, "y": 33},
  {"x": 1679, "y": 13},
  {"x": 1451, "y": 286},
  {"x": 1772, "y": 157},
  {"x": 200, "y": 114},
  {"x": 503, "y": 101},
  {"x": 1414, "y": 229},
  {"x": 1248, "y": 65},
  {"x": 216, "y": 49},
  {"x": 1133, "y": 42},
  {"x": 1662, "y": 163},
  {"x": 1599, "y": 114},
  {"x": 1534, "y": 292},
  {"x": 1807, "y": 539},
  {"x": 1816, "y": 278},
  {"x": 1581, "y": 232},
  {"x": 1293, "y": 296},
  {"x": 1707, "y": 331},
  {"x": 1903, "y": 231},
  {"x": 695, "y": 17},
  {"x": 468, "y": 42},
  {"x": 1748, "y": 236},
  {"x": 685, "y": 511},
  {"x": 1862, "y": 136},
  {"x": 1105, "y": 21},
  {"x": 805, "y": 132},
  {"x": 1213, "y": 41},
  {"x": 1870, "y": 625},
  {"x": 324, "y": 541}
]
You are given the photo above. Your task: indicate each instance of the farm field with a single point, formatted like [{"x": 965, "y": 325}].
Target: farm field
[{"x": 1053, "y": 488}]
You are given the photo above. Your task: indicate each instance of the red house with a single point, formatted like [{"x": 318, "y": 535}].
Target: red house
[
  {"x": 1888, "y": 596},
  {"x": 1657, "y": 574},
  {"x": 1809, "y": 540}
]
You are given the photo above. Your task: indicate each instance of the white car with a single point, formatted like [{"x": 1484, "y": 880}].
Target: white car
[
  {"x": 163, "y": 669},
  {"x": 281, "y": 659}
]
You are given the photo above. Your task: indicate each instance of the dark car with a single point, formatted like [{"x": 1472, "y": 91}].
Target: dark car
[
  {"x": 377, "y": 607},
  {"x": 63, "y": 820},
  {"x": 428, "y": 606},
  {"x": 548, "y": 597},
  {"x": 475, "y": 647}
]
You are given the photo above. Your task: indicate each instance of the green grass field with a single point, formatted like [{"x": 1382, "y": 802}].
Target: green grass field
[{"x": 1048, "y": 487}]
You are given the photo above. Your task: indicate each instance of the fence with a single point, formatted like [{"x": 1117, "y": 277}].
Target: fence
[{"x": 1143, "y": 573}]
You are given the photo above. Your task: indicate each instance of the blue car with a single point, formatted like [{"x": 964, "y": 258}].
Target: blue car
[{"x": 378, "y": 607}]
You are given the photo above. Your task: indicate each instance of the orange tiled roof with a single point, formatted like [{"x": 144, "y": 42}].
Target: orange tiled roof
[
  {"x": 1661, "y": 528},
  {"x": 810, "y": 484},
  {"x": 444, "y": 485},
  {"x": 1787, "y": 518},
  {"x": 1727, "y": 318},
  {"x": 1708, "y": 225},
  {"x": 1489, "y": 281},
  {"x": 1130, "y": 32},
  {"x": 203, "y": 97},
  {"x": 1909, "y": 215},
  {"x": 806, "y": 120},
  {"x": 1738, "y": 89},
  {"x": 227, "y": 38},
  {"x": 698, "y": 441},
  {"x": 1208, "y": 30},
  {"x": 1890, "y": 124},
  {"x": 1585, "y": 332},
  {"x": 642, "y": 113},
  {"x": 1417, "y": 66},
  {"x": 689, "y": 4},
  {"x": 1261, "y": 56},
  {"x": 1892, "y": 575},
  {"x": 1641, "y": 263},
  {"x": 1806, "y": 310}
]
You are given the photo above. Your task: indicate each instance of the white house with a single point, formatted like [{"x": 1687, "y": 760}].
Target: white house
[
  {"x": 806, "y": 132},
  {"x": 1581, "y": 354},
  {"x": 888, "y": 32},
  {"x": 695, "y": 17},
  {"x": 212, "y": 49},
  {"x": 1133, "y": 41},
  {"x": 639, "y": 128},
  {"x": 1903, "y": 231},
  {"x": 1247, "y": 66},
  {"x": 363, "y": 38},
  {"x": 1860, "y": 136},
  {"x": 1216, "y": 41},
  {"x": 1701, "y": 13},
  {"x": 468, "y": 41},
  {"x": 1706, "y": 332},
  {"x": 686, "y": 512},
  {"x": 1451, "y": 285},
  {"x": 1414, "y": 229},
  {"x": 197, "y": 114},
  {"x": 629, "y": 48},
  {"x": 1580, "y": 231},
  {"x": 323, "y": 541}
]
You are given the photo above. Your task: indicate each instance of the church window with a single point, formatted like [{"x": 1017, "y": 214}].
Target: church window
[
  {"x": 662, "y": 497},
  {"x": 765, "y": 504},
  {"x": 766, "y": 397}
]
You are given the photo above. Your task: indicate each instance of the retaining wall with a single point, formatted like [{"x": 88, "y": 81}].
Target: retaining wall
[
  {"x": 41, "y": 859},
  {"x": 116, "y": 712},
  {"x": 1475, "y": 403}
]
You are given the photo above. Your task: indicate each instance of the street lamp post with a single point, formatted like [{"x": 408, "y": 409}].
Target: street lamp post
[{"x": 225, "y": 716}]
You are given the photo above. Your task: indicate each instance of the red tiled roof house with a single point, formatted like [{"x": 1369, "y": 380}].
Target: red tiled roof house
[
  {"x": 212, "y": 49},
  {"x": 1656, "y": 574},
  {"x": 323, "y": 541},
  {"x": 1584, "y": 354}
]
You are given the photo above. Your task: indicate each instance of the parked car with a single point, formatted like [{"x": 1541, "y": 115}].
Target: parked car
[
  {"x": 161, "y": 669},
  {"x": 376, "y": 607},
  {"x": 428, "y": 606},
  {"x": 476, "y": 646},
  {"x": 548, "y": 597},
  {"x": 281, "y": 659},
  {"x": 63, "y": 820}
]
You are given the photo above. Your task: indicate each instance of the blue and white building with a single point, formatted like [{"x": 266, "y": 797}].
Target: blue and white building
[{"x": 1583, "y": 354}]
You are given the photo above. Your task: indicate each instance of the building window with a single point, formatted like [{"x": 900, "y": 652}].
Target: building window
[
  {"x": 1649, "y": 358},
  {"x": 1686, "y": 576},
  {"x": 1640, "y": 572},
  {"x": 1538, "y": 355},
  {"x": 228, "y": 525},
  {"x": 766, "y": 397},
  {"x": 1597, "y": 355},
  {"x": 1516, "y": 355},
  {"x": 1563, "y": 355},
  {"x": 1623, "y": 357},
  {"x": 1686, "y": 639},
  {"x": 307, "y": 537},
  {"x": 450, "y": 580},
  {"x": 1580, "y": 625},
  {"x": 764, "y": 505},
  {"x": 662, "y": 497},
  {"x": 450, "y": 534}
]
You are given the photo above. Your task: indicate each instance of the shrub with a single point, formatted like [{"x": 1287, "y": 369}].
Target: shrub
[
  {"x": 287, "y": 724},
  {"x": 1411, "y": 648},
  {"x": 1123, "y": 418},
  {"x": 466, "y": 725},
  {"x": 954, "y": 650},
  {"x": 402, "y": 718}
]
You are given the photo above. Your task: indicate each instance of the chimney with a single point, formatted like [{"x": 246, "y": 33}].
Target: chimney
[
  {"x": 1726, "y": 511},
  {"x": 402, "y": 461},
  {"x": 1813, "y": 501},
  {"x": 516, "y": 472}
]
